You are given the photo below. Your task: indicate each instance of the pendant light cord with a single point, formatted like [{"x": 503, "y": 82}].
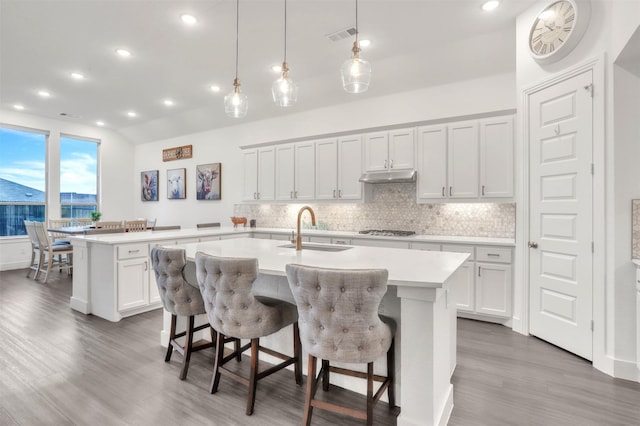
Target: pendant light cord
[
  {"x": 356, "y": 21},
  {"x": 237, "y": 31},
  {"x": 285, "y": 30}
]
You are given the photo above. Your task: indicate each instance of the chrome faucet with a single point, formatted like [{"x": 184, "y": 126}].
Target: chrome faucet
[{"x": 313, "y": 222}]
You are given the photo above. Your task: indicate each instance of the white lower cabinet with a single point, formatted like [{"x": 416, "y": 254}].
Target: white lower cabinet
[
  {"x": 133, "y": 277},
  {"x": 493, "y": 289},
  {"x": 463, "y": 287}
]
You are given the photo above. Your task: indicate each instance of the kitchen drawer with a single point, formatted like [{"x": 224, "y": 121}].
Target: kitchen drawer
[
  {"x": 343, "y": 241},
  {"x": 425, "y": 246},
  {"x": 459, "y": 249},
  {"x": 316, "y": 239},
  {"x": 131, "y": 251},
  {"x": 379, "y": 243},
  {"x": 493, "y": 254}
]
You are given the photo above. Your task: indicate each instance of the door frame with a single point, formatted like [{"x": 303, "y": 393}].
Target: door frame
[{"x": 522, "y": 299}]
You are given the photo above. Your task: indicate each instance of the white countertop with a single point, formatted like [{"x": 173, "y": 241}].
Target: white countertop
[
  {"x": 134, "y": 237},
  {"x": 412, "y": 268}
]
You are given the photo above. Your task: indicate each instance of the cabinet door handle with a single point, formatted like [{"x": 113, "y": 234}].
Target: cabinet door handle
[
  {"x": 291, "y": 195},
  {"x": 493, "y": 255},
  {"x": 339, "y": 193},
  {"x": 334, "y": 193},
  {"x": 134, "y": 251},
  {"x": 450, "y": 191},
  {"x": 385, "y": 164},
  {"x": 391, "y": 164},
  {"x": 146, "y": 265},
  {"x": 479, "y": 268},
  {"x": 443, "y": 191},
  {"x": 255, "y": 195},
  {"x": 295, "y": 194},
  {"x": 483, "y": 190}
]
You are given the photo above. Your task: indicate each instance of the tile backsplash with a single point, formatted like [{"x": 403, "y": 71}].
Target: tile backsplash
[{"x": 393, "y": 206}]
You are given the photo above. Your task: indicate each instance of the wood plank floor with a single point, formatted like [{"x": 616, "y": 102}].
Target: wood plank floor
[{"x": 59, "y": 367}]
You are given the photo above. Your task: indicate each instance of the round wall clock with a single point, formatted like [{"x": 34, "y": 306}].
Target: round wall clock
[{"x": 558, "y": 28}]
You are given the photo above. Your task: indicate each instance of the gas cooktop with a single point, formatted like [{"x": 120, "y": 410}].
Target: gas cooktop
[{"x": 387, "y": 233}]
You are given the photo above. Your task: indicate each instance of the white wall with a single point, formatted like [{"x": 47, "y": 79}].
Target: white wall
[
  {"x": 611, "y": 25},
  {"x": 116, "y": 165},
  {"x": 476, "y": 96}
]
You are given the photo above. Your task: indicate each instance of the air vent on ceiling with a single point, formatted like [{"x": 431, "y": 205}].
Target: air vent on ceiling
[
  {"x": 66, "y": 114},
  {"x": 342, "y": 34}
]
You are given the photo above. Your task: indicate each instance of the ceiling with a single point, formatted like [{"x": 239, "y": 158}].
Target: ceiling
[{"x": 415, "y": 43}]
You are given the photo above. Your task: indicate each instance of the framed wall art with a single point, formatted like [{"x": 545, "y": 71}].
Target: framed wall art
[
  {"x": 177, "y": 184},
  {"x": 208, "y": 178},
  {"x": 149, "y": 184}
]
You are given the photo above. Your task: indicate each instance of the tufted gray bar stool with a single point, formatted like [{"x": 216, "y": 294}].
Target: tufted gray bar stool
[
  {"x": 179, "y": 298},
  {"x": 339, "y": 322},
  {"x": 234, "y": 311}
]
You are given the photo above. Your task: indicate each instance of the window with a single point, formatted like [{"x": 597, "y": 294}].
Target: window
[
  {"x": 22, "y": 179},
  {"x": 78, "y": 177}
]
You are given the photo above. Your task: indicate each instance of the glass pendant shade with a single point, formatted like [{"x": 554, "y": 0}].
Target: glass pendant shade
[
  {"x": 356, "y": 72},
  {"x": 236, "y": 103},
  {"x": 284, "y": 90}
]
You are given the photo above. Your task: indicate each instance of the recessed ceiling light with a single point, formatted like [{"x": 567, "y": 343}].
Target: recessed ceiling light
[
  {"x": 365, "y": 43},
  {"x": 132, "y": 114},
  {"x": 168, "y": 102},
  {"x": 276, "y": 68},
  {"x": 123, "y": 52},
  {"x": 77, "y": 75},
  {"x": 215, "y": 88},
  {"x": 44, "y": 93},
  {"x": 188, "y": 19},
  {"x": 100, "y": 123},
  {"x": 18, "y": 107},
  {"x": 490, "y": 5}
]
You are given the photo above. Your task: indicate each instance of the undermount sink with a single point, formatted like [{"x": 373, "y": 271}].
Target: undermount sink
[{"x": 318, "y": 247}]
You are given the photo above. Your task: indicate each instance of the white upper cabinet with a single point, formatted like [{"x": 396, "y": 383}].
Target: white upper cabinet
[
  {"x": 496, "y": 157},
  {"x": 338, "y": 168},
  {"x": 463, "y": 160},
  {"x": 384, "y": 151},
  {"x": 259, "y": 174},
  {"x": 469, "y": 160},
  {"x": 294, "y": 171}
]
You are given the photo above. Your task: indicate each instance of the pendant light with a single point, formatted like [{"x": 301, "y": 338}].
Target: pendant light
[
  {"x": 284, "y": 90},
  {"x": 236, "y": 103},
  {"x": 356, "y": 72}
]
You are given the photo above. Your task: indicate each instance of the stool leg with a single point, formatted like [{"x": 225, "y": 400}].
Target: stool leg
[
  {"x": 311, "y": 390},
  {"x": 297, "y": 353},
  {"x": 215, "y": 380},
  {"x": 370, "y": 401},
  {"x": 187, "y": 348},
  {"x": 253, "y": 376},
  {"x": 172, "y": 336},
  {"x": 391, "y": 373},
  {"x": 236, "y": 347},
  {"x": 325, "y": 375}
]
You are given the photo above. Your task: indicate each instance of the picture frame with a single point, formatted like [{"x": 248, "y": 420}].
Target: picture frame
[
  {"x": 208, "y": 181},
  {"x": 149, "y": 185},
  {"x": 177, "y": 184}
]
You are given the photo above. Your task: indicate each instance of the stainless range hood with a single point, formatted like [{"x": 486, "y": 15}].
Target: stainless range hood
[{"x": 393, "y": 176}]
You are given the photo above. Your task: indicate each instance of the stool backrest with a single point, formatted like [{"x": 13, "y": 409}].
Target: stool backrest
[
  {"x": 226, "y": 285},
  {"x": 177, "y": 295},
  {"x": 338, "y": 312}
]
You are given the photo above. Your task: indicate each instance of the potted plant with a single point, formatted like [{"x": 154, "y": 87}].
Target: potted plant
[{"x": 95, "y": 216}]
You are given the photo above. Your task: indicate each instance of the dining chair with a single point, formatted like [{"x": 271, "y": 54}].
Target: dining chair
[
  {"x": 109, "y": 225},
  {"x": 234, "y": 311},
  {"x": 179, "y": 298},
  {"x": 339, "y": 322},
  {"x": 82, "y": 221},
  {"x": 35, "y": 248},
  {"x": 135, "y": 225},
  {"x": 50, "y": 251},
  {"x": 59, "y": 237}
]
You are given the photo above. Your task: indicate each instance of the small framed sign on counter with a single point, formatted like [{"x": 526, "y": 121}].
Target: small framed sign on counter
[{"x": 177, "y": 153}]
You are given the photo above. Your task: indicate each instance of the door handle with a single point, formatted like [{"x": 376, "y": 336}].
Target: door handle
[
  {"x": 532, "y": 245},
  {"x": 334, "y": 193}
]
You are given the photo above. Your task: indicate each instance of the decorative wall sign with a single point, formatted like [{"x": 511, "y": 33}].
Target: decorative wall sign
[
  {"x": 177, "y": 153},
  {"x": 149, "y": 183},
  {"x": 208, "y": 178},
  {"x": 176, "y": 184}
]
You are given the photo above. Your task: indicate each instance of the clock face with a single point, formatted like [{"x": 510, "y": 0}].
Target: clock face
[{"x": 552, "y": 29}]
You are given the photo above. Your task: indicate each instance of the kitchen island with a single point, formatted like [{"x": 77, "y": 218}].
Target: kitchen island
[{"x": 418, "y": 299}]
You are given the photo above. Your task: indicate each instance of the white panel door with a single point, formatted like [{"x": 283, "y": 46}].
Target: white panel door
[
  {"x": 432, "y": 162},
  {"x": 496, "y": 157},
  {"x": 133, "y": 283},
  {"x": 349, "y": 167},
  {"x": 266, "y": 174},
  {"x": 305, "y": 171},
  {"x": 493, "y": 289},
  {"x": 561, "y": 258},
  {"x": 326, "y": 169},
  {"x": 463, "y": 160},
  {"x": 285, "y": 160},
  {"x": 376, "y": 152},
  {"x": 402, "y": 149},
  {"x": 463, "y": 287},
  {"x": 250, "y": 171}
]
